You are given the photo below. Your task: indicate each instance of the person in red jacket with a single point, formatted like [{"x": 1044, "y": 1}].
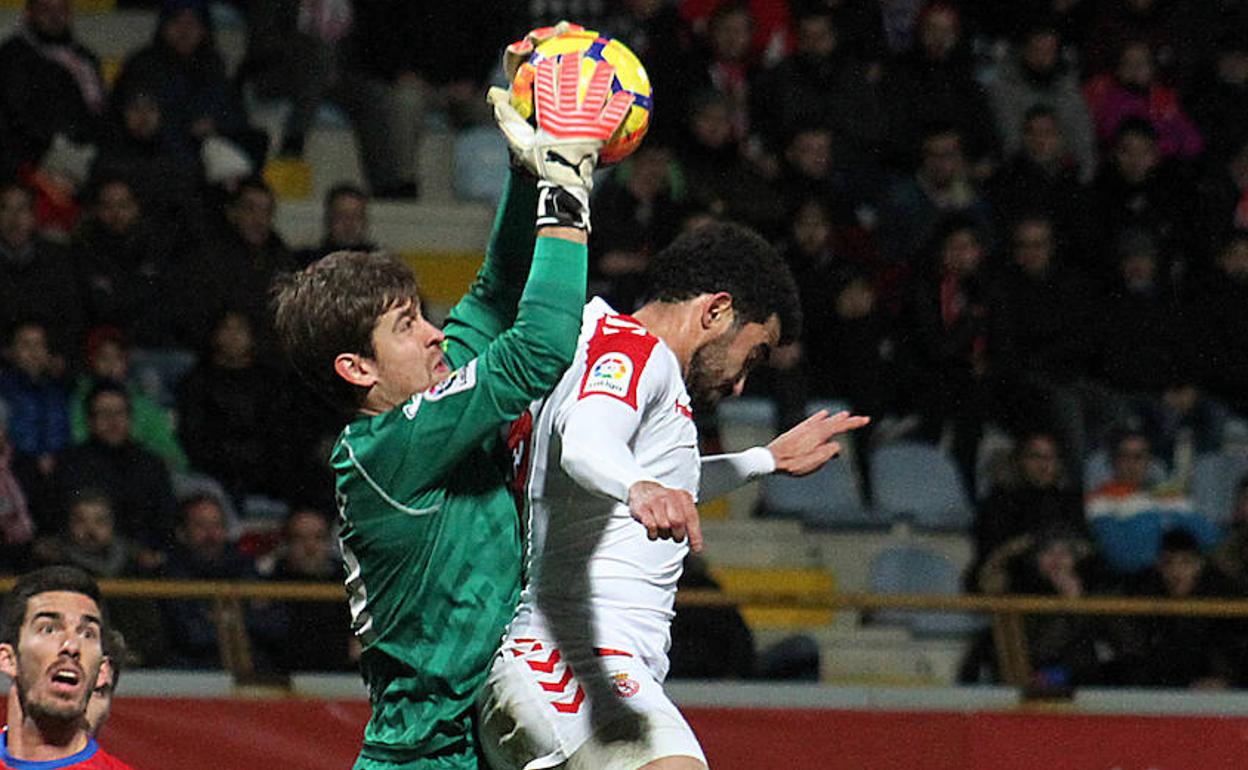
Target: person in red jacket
[{"x": 51, "y": 633}]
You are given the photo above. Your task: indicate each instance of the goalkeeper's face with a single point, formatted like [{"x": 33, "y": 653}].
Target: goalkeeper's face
[{"x": 407, "y": 356}]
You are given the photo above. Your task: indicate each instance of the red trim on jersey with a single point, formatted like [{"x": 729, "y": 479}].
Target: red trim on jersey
[
  {"x": 607, "y": 652},
  {"x": 574, "y": 706},
  {"x": 617, "y": 355}
]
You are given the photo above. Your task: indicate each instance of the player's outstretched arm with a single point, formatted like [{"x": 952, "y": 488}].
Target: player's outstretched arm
[{"x": 802, "y": 449}]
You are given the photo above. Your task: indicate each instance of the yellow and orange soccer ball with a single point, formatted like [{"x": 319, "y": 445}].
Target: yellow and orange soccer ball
[{"x": 629, "y": 76}]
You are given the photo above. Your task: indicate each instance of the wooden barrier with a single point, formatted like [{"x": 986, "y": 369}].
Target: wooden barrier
[{"x": 1008, "y": 612}]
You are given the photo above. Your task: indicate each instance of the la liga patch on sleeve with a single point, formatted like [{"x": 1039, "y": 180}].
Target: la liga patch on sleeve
[{"x": 617, "y": 354}]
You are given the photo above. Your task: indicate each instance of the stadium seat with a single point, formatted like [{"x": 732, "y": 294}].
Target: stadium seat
[
  {"x": 909, "y": 569},
  {"x": 783, "y": 583},
  {"x": 829, "y": 498},
  {"x": 1215, "y": 479},
  {"x": 918, "y": 482}
]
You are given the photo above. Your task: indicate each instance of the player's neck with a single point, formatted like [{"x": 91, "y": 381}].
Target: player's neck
[
  {"x": 43, "y": 740},
  {"x": 678, "y": 324}
]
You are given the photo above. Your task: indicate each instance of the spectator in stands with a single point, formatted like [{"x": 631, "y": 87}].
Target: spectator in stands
[
  {"x": 819, "y": 84},
  {"x": 934, "y": 83},
  {"x": 725, "y": 63},
  {"x": 319, "y": 634},
  {"x": 1231, "y": 558},
  {"x": 1223, "y": 198},
  {"x": 1132, "y": 91},
  {"x": 769, "y": 35},
  {"x": 183, "y": 69},
  {"x": 126, "y": 265},
  {"x": 50, "y": 87},
  {"x": 90, "y": 541},
  {"x": 37, "y": 401},
  {"x": 1137, "y": 190},
  {"x": 234, "y": 269},
  {"x": 227, "y": 409},
  {"x": 940, "y": 186},
  {"x": 1145, "y": 351},
  {"x": 1036, "y": 76},
  {"x": 1053, "y": 561},
  {"x": 845, "y": 350},
  {"x": 1128, "y": 517},
  {"x": 1181, "y": 651},
  {"x": 17, "y": 529},
  {"x": 1035, "y": 496},
  {"x": 136, "y": 480},
  {"x": 1218, "y": 309},
  {"x": 1040, "y": 348},
  {"x": 203, "y": 552},
  {"x": 718, "y": 178},
  {"x": 710, "y": 642},
  {"x": 150, "y": 425},
  {"x": 811, "y": 167},
  {"x": 346, "y": 224},
  {"x": 1042, "y": 177},
  {"x": 1219, "y": 97},
  {"x": 168, "y": 183},
  {"x": 1177, "y": 32},
  {"x": 945, "y": 340},
  {"x": 639, "y": 208},
  {"x": 38, "y": 276}
]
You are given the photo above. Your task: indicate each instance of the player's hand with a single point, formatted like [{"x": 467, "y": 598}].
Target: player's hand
[
  {"x": 805, "y": 447},
  {"x": 665, "y": 513},
  {"x": 563, "y": 147},
  {"x": 519, "y": 52}
]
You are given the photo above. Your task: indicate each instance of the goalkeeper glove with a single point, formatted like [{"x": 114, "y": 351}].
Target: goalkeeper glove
[{"x": 563, "y": 147}]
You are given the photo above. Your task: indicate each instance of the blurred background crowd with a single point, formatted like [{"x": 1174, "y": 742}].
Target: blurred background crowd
[{"x": 1020, "y": 230}]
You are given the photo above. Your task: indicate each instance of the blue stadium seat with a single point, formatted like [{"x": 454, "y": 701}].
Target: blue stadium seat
[
  {"x": 916, "y": 481},
  {"x": 908, "y": 569},
  {"x": 827, "y": 498},
  {"x": 1215, "y": 479}
]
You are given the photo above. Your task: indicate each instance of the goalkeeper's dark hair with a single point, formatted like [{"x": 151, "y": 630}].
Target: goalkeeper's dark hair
[
  {"x": 723, "y": 256},
  {"x": 330, "y": 308}
]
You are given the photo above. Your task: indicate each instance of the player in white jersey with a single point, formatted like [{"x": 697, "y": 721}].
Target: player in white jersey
[{"x": 614, "y": 466}]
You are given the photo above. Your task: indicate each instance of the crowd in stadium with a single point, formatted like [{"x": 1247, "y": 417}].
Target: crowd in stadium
[{"x": 1029, "y": 215}]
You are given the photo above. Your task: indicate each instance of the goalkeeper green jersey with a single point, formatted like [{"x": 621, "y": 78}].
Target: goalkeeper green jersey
[{"x": 430, "y": 533}]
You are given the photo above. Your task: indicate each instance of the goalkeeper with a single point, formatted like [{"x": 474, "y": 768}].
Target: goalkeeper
[{"x": 430, "y": 534}]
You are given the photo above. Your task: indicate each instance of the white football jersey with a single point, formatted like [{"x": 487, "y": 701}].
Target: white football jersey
[{"x": 620, "y": 414}]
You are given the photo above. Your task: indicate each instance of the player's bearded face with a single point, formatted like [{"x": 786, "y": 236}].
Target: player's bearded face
[
  {"x": 718, "y": 369},
  {"x": 58, "y": 656}
]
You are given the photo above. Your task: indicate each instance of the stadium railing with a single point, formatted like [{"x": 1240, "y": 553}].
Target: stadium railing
[{"x": 1007, "y": 612}]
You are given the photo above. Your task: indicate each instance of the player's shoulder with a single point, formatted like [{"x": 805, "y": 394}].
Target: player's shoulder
[{"x": 618, "y": 350}]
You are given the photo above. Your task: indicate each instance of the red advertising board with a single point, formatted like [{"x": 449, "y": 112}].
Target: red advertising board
[{"x": 210, "y": 734}]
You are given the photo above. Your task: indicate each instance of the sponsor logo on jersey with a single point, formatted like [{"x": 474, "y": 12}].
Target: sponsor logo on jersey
[
  {"x": 624, "y": 685},
  {"x": 683, "y": 408},
  {"x": 612, "y": 374},
  {"x": 462, "y": 379}
]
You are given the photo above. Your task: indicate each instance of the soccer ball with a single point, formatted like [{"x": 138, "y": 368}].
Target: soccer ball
[{"x": 629, "y": 76}]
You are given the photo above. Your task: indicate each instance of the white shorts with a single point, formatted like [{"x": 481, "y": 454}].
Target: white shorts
[{"x": 535, "y": 714}]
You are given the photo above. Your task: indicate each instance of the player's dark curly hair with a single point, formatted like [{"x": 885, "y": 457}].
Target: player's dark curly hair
[{"x": 728, "y": 257}]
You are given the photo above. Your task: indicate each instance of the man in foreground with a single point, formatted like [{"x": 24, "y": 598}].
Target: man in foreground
[
  {"x": 430, "y": 536},
  {"x": 51, "y": 647},
  {"x": 615, "y": 466}
]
